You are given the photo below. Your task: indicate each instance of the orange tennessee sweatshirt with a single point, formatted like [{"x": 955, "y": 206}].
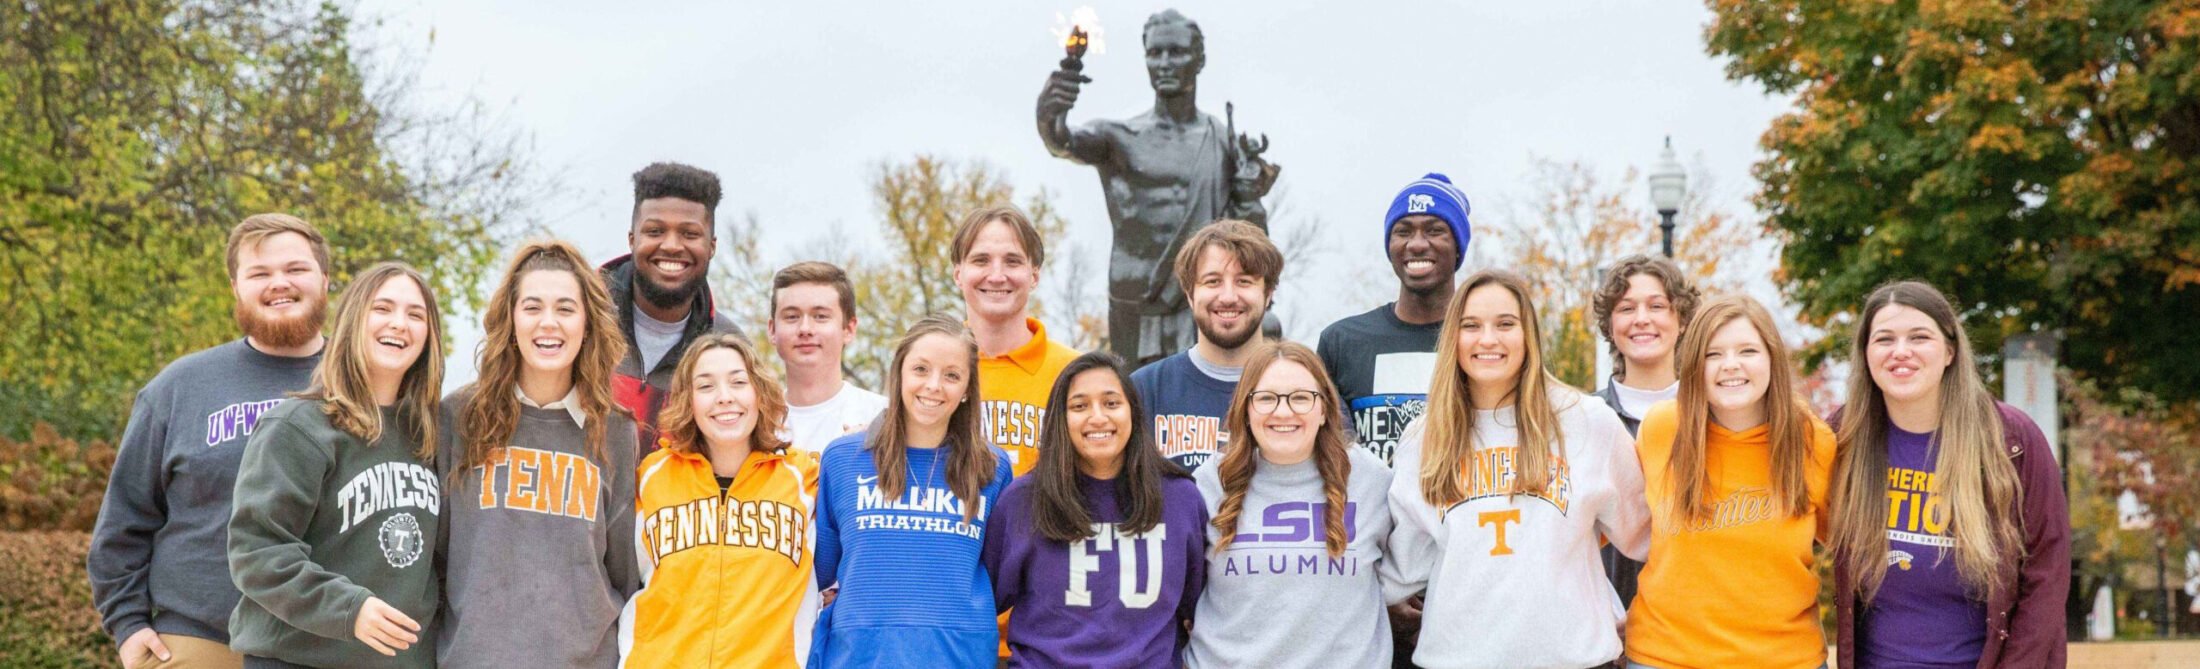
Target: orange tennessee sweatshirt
[{"x": 1735, "y": 586}]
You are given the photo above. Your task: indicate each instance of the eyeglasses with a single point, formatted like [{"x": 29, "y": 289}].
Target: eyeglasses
[{"x": 1302, "y": 401}]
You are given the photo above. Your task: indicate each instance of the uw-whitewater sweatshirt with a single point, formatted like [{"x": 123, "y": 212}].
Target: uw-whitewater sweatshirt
[
  {"x": 162, "y": 540},
  {"x": 543, "y": 533},
  {"x": 322, "y": 522},
  {"x": 913, "y": 592},
  {"x": 1514, "y": 581},
  {"x": 1111, "y": 600},
  {"x": 1276, "y": 598}
]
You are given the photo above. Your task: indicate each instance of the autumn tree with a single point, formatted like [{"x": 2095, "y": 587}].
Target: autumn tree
[
  {"x": 1571, "y": 225},
  {"x": 133, "y": 134},
  {"x": 2038, "y": 161},
  {"x": 919, "y": 204}
]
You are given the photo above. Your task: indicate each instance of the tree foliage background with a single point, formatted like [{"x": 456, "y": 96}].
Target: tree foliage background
[
  {"x": 1571, "y": 224},
  {"x": 919, "y": 204},
  {"x": 2040, "y": 161},
  {"x": 134, "y": 133}
]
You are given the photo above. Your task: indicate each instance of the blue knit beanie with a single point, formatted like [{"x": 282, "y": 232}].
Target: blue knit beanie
[{"x": 1433, "y": 195}]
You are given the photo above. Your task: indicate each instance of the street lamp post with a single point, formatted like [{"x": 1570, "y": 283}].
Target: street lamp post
[{"x": 1668, "y": 186}]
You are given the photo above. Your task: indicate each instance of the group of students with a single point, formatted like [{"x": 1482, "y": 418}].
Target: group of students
[{"x": 628, "y": 483}]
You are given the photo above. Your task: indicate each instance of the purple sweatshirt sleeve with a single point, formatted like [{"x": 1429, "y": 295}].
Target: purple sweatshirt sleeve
[
  {"x": 2036, "y": 634},
  {"x": 1195, "y": 560},
  {"x": 1005, "y": 552}
]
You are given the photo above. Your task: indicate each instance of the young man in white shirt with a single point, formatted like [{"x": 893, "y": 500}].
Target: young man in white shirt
[{"x": 813, "y": 319}]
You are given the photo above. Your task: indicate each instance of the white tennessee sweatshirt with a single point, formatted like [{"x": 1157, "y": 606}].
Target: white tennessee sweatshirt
[{"x": 1514, "y": 581}]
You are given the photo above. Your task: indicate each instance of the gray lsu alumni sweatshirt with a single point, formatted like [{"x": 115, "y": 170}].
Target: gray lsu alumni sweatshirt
[{"x": 163, "y": 531}]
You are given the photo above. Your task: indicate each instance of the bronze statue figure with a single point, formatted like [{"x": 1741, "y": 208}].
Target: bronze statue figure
[{"x": 1166, "y": 173}]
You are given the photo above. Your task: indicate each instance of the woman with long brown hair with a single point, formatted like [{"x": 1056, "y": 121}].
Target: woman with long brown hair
[
  {"x": 1735, "y": 471},
  {"x": 537, "y": 460},
  {"x": 724, "y": 469},
  {"x": 1299, "y": 519},
  {"x": 1101, "y": 548},
  {"x": 1950, "y": 534},
  {"x": 337, "y": 507},
  {"x": 901, "y": 513},
  {"x": 1505, "y": 487}
]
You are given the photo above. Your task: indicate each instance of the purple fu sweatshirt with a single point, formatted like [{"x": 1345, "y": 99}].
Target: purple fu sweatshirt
[{"x": 1112, "y": 600}]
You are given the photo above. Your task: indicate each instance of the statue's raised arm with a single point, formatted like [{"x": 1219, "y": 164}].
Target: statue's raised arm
[{"x": 1165, "y": 172}]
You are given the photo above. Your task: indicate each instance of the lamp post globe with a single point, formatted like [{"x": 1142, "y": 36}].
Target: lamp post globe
[{"x": 1668, "y": 186}]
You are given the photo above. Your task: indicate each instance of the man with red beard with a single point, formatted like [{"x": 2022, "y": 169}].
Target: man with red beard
[
  {"x": 661, "y": 287},
  {"x": 1229, "y": 271},
  {"x": 159, "y": 563}
]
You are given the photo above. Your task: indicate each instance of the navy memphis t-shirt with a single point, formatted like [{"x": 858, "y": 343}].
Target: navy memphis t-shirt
[{"x": 1382, "y": 366}]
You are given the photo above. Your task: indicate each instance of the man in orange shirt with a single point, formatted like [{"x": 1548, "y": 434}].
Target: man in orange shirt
[{"x": 998, "y": 254}]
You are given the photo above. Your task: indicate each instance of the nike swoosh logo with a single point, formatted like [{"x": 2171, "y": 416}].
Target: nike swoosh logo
[{"x": 861, "y": 480}]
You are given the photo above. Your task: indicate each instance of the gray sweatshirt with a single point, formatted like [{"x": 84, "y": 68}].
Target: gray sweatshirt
[
  {"x": 163, "y": 531},
  {"x": 536, "y": 569},
  {"x": 1275, "y": 598},
  {"x": 322, "y": 522}
]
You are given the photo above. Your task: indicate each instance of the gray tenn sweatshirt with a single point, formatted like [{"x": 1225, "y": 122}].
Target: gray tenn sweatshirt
[
  {"x": 537, "y": 566},
  {"x": 163, "y": 530},
  {"x": 1276, "y": 598}
]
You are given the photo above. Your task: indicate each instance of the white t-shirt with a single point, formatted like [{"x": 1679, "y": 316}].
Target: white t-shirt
[
  {"x": 851, "y": 410},
  {"x": 1636, "y": 402}
]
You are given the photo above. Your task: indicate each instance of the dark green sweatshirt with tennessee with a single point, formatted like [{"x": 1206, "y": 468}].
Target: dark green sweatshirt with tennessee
[{"x": 322, "y": 521}]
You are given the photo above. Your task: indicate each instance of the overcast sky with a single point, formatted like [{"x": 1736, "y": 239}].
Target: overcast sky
[{"x": 792, "y": 104}]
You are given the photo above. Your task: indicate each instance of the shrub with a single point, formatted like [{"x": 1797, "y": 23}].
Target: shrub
[
  {"x": 46, "y": 614},
  {"x": 52, "y": 483}
]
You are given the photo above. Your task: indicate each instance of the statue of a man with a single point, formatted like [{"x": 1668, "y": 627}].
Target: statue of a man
[{"x": 1166, "y": 172}]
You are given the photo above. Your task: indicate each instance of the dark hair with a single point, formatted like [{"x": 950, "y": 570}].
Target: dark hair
[
  {"x": 1679, "y": 291},
  {"x": 815, "y": 272},
  {"x": 1027, "y": 234},
  {"x": 686, "y": 182},
  {"x": 1057, "y": 505}
]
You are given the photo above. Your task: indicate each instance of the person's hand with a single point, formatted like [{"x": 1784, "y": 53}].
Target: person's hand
[
  {"x": 1061, "y": 92},
  {"x": 384, "y": 628},
  {"x": 141, "y": 643},
  {"x": 825, "y": 599},
  {"x": 1405, "y": 617}
]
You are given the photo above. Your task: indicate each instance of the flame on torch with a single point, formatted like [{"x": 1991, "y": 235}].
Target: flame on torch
[{"x": 1078, "y": 30}]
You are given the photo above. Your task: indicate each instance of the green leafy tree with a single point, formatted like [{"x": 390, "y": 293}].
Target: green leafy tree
[
  {"x": 2039, "y": 161},
  {"x": 133, "y": 134}
]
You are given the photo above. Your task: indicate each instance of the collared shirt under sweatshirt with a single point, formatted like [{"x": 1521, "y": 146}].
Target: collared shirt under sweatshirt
[{"x": 543, "y": 532}]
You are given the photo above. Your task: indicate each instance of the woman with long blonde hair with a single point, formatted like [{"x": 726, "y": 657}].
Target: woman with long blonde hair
[
  {"x": 901, "y": 515},
  {"x": 537, "y": 460},
  {"x": 1950, "y": 534},
  {"x": 1299, "y": 518},
  {"x": 723, "y": 457},
  {"x": 1735, "y": 472},
  {"x": 1505, "y": 488},
  {"x": 338, "y": 508}
]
